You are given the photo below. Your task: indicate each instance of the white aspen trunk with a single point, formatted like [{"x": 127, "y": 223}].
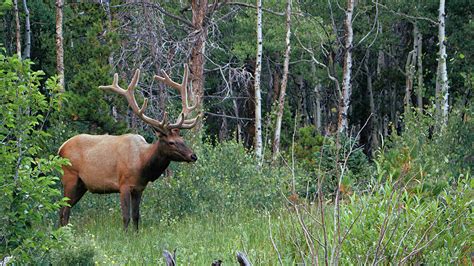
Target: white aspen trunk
[
  {"x": 344, "y": 101},
  {"x": 258, "y": 97},
  {"x": 442, "y": 79},
  {"x": 17, "y": 24},
  {"x": 284, "y": 83},
  {"x": 419, "y": 48},
  {"x": 317, "y": 111},
  {"x": 27, "y": 51},
  {"x": 59, "y": 43},
  {"x": 239, "y": 127},
  {"x": 236, "y": 109},
  {"x": 410, "y": 73}
]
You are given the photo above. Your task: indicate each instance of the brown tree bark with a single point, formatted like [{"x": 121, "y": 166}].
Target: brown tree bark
[
  {"x": 374, "y": 143},
  {"x": 197, "y": 60}
]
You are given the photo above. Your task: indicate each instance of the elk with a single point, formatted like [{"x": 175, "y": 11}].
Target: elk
[{"x": 126, "y": 164}]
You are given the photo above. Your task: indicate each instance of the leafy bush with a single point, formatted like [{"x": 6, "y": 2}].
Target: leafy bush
[
  {"x": 320, "y": 157},
  {"x": 225, "y": 177},
  {"x": 434, "y": 154},
  {"x": 73, "y": 250},
  {"x": 393, "y": 224},
  {"x": 399, "y": 218},
  {"x": 27, "y": 179}
]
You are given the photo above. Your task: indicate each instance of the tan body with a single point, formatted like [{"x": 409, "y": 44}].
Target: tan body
[
  {"x": 112, "y": 161},
  {"x": 126, "y": 163}
]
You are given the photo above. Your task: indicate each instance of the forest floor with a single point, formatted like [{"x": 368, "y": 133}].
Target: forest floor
[{"x": 198, "y": 240}]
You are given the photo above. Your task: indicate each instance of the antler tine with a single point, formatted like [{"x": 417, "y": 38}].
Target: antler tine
[
  {"x": 167, "y": 80},
  {"x": 129, "y": 94},
  {"x": 191, "y": 122},
  {"x": 114, "y": 87},
  {"x": 181, "y": 122}
]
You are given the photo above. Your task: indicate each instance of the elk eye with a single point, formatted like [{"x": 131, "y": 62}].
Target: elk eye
[{"x": 171, "y": 143}]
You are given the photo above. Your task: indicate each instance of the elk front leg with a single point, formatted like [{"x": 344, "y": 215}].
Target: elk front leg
[
  {"x": 125, "y": 196},
  {"x": 136, "y": 198}
]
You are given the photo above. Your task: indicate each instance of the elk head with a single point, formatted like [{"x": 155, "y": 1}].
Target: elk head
[{"x": 170, "y": 141}]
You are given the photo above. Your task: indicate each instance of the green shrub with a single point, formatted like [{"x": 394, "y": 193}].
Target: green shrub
[
  {"x": 319, "y": 156},
  {"x": 225, "y": 178},
  {"x": 73, "y": 249},
  {"x": 401, "y": 226},
  {"x": 28, "y": 190},
  {"x": 434, "y": 155}
]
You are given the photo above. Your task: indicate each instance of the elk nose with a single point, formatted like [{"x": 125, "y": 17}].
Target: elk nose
[{"x": 194, "y": 157}]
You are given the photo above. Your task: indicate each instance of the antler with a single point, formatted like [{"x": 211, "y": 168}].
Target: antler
[
  {"x": 163, "y": 126},
  {"x": 129, "y": 94},
  {"x": 182, "y": 121}
]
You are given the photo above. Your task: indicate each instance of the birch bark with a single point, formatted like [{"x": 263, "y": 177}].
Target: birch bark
[
  {"x": 442, "y": 79},
  {"x": 284, "y": 83},
  {"x": 258, "y": 97},
  {"x": 27, "y": 51},
  {"x": 344, "y": 101},
  {"x": 419, "y": 61},
  {"x": 59, "y": 43},
  {"x": 17, "y": 24}
]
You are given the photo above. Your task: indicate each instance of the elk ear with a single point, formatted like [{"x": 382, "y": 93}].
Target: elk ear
[
  {"x": 175, "y": 131},
  {"x": 159, "y": 133}
]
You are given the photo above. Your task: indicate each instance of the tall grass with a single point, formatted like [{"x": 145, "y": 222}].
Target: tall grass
[{"x": 199, "y": 239}]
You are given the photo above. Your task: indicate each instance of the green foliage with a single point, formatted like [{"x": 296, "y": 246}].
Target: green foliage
[
  {"x": 308, "y": 143},
  {"x": 437, "y": 231},
  {"x": 74, "y": 249},
  {"x": 28, "y": 178},
  {"x": 433, "y": 154},
  {"x": 224, "y": 178},
  {"x": 321, "y": 157},
  {"x": 5, "y": 5}
]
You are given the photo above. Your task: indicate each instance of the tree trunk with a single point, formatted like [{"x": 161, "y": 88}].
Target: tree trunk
[
  {"x": 258, "y": 97},
  {"x": 59, "y": 44},
  {"x": 442, "y": 78},
  {"x": 27, "y": 52},
  {"x": 223, "y": 131},
  {"x": 18, "y": 33},
  {"x": 109, "y": 29},
  {"x": 345, "y": 98},
  {"x": 284, "y": 83},
  {"x": 197, "y": 60},
  {"x": 317, "y": 100},
  {"x": 410, "y": 73},
  {"x": 374, "y": 143},
  {"x": 419, "y": 51},
  {"x": 317, "y": 107},
  {"x": 239, "y": 127}
]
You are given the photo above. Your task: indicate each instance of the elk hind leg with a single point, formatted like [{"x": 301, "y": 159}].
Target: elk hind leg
[{"x": 74, "y": 189}]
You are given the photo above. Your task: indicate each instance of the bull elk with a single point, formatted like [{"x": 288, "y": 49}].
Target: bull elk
[{"x": 126, "y": 164}]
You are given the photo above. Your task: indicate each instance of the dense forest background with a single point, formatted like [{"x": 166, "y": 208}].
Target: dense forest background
[{"x": 353, "y": 114}]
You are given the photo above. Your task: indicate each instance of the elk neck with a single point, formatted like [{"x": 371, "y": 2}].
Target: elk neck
[{"x": 156, "y": 162}]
